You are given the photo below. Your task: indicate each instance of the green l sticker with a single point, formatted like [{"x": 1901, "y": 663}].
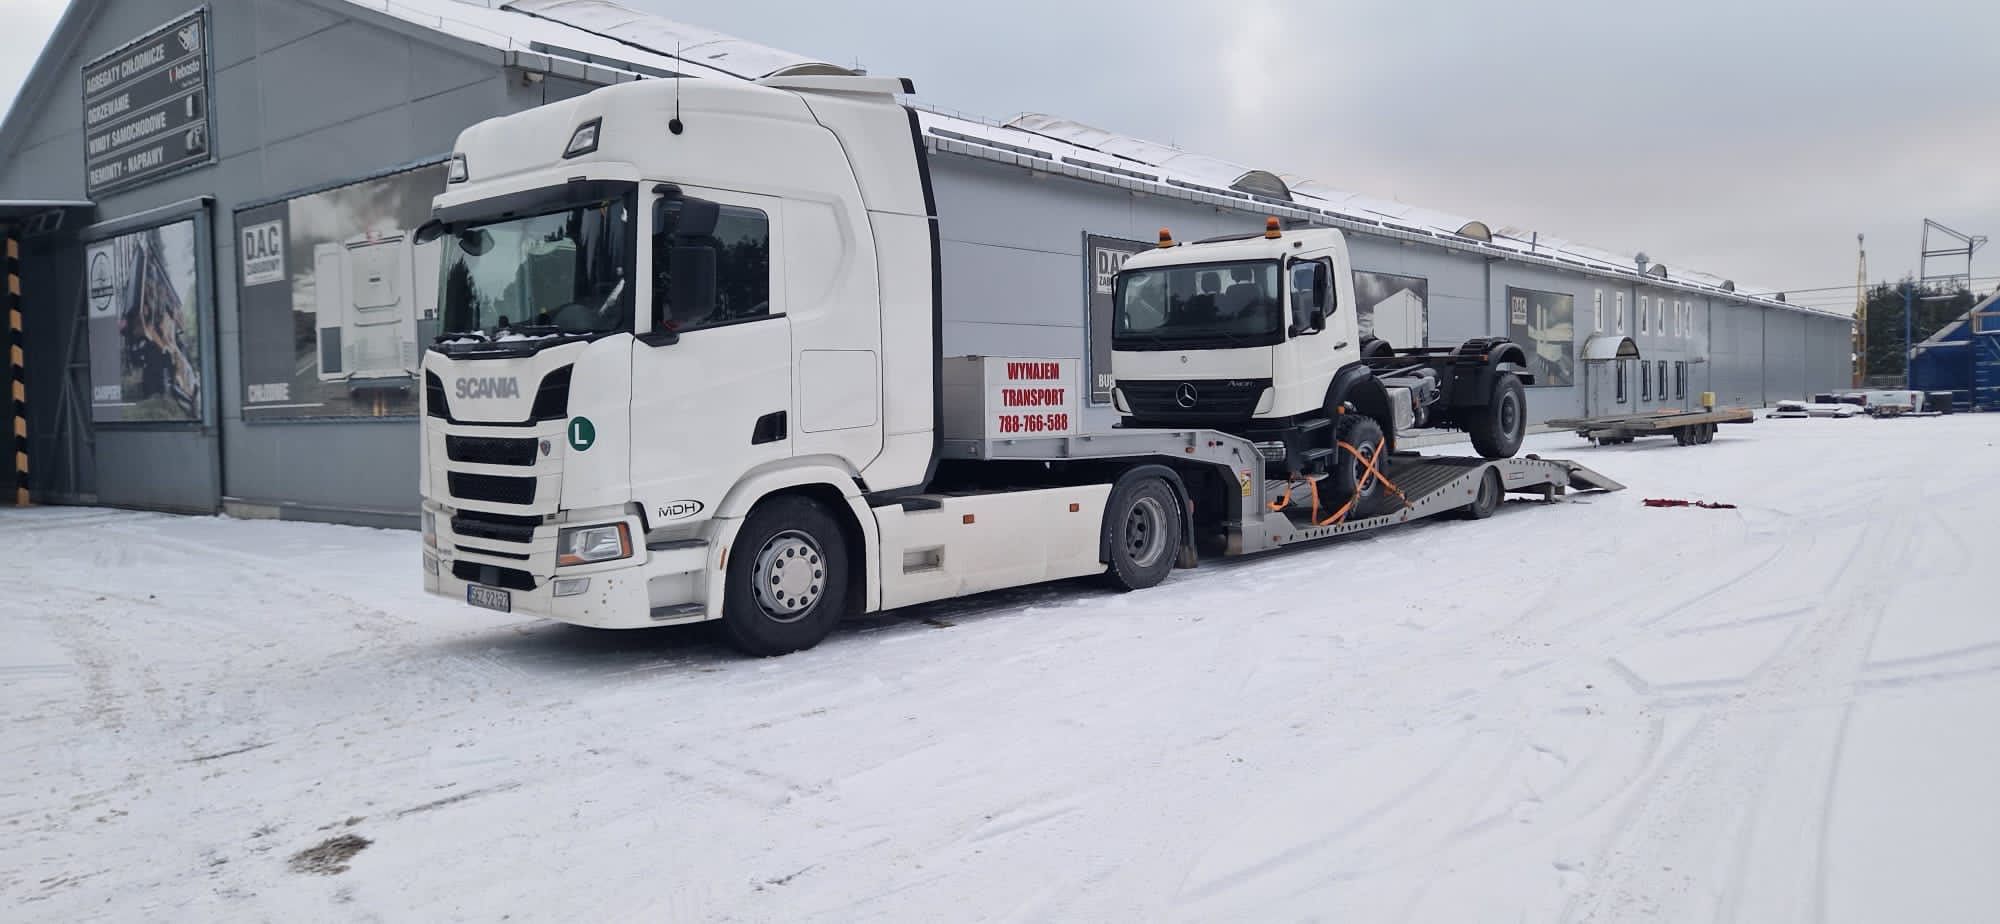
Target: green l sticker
[{"x": 582, "y": 435}]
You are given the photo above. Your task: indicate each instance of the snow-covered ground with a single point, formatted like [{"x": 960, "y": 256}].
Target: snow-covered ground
[{"x": 1589, "y": 711}]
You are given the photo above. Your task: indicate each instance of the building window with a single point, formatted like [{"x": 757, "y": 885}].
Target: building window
[
  {"x": 1645, "y": 380},
  {"x": 1660, "y": 318},
  {"x": 1597, "y": 312},
  {"x": 1619, "y": 299},
  {"x": 1662, "y": 366},
  {"x": 731, "y": 243},
  {"x": 1680, "y": 380},
  {"x": 1645, "y": 307},
  {"x": 1622, "y": 367}
]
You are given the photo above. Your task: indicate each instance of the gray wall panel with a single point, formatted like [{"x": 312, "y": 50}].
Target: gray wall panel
[
  {"x": 311, "y": 101},
  {"x": 160, "y": 469}
]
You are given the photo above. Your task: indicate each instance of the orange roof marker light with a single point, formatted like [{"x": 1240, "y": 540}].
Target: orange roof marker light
[
  {"x": 1166, "y": 238},
  {"x": 1271, "y": 228}
]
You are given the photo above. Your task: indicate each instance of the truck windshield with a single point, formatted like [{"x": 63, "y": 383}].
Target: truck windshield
[
  {"x": 1214, "y": 305},
  {"x": 558, "y": 272}
]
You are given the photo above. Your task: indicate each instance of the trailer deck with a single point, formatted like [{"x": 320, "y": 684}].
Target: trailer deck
[
  {"x": 1688, "y": 428},
  {"x": 1428, "y": 485}
]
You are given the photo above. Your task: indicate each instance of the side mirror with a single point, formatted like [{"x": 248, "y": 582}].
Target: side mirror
[
  {"x": 475, "y": 241},
  {"x": 428, "y": 231},
  {"x": 1320, "y": 288},
  {"x": 1318, "y": 321}
]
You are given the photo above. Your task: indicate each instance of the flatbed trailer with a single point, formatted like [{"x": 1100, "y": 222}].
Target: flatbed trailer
[
  {"x": 1261, "y": 512},
  {"x": 1688, "y": 428}
]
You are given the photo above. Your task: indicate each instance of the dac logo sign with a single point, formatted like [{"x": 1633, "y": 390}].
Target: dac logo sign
[{"x": 264, "y": 253}]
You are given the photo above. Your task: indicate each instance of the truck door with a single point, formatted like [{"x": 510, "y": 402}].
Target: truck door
[
  {"x": 711, "y": 367},
  {"x": 1314, "y": 284}
]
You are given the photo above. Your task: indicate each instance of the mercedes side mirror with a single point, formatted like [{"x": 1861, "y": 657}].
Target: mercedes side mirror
[{"x": 1318, "y": 321}]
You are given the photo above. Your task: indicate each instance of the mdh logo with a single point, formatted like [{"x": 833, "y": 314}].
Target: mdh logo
[
  {"x": 489, "y": 387},
  {"x": 680, "y": 509}
]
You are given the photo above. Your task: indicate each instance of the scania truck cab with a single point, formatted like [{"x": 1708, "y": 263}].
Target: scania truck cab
[{"x": 690, "y": 369}]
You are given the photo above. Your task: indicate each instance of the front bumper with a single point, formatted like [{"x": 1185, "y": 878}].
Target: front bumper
[{"x": 663, "y": 586}]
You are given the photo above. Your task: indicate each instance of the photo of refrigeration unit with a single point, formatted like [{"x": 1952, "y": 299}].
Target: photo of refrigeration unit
[{"x": 368, "y": 304}]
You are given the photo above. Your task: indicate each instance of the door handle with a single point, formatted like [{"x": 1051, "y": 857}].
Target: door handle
[
  {"x": 1342, "y": 345},
  {"x": 770, "y": 429}
]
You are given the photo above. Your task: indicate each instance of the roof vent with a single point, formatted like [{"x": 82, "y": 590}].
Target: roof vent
[
  {"x": 1641, "y": 259},
  {"x": 1262, "y": 183},
  {"x": 1476, "y": 230},
  {"x": 1728, "y": 285},
  {"x": 1658, "y": 269}
]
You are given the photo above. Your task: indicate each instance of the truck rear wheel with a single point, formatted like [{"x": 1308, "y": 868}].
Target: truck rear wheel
[
  {"x": 1143, "y": 525},
  {"x": 1498, "y": 426},
  {"x": 786, "y": 587}
]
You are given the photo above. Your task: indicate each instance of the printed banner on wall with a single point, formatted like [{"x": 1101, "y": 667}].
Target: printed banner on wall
[
  {"x": 1106, "y": 255},
  {"x": 145, "y": 325},
  {"x": 1544, "y": 323},
  {"x": 337, "y": 299},
  {"x": 1392, "y": 308}
]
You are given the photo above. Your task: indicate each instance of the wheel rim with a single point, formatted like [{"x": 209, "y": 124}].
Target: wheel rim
[
  {"x": 1145, "y": 536},
  {"x": 1367, "y": 451},
  {"x": 1510, "y": 414},
  {"x": 790, "y": 576}
]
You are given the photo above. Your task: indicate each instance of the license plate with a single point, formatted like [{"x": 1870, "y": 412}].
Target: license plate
[{"x": 492, "y": 598}]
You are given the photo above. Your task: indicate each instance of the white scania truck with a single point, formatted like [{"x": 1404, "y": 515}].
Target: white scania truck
[{"x": 691, "y": 370}]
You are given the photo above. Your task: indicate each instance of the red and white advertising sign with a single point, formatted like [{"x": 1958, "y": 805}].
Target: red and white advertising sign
[{"x": 1030, "y": 397}]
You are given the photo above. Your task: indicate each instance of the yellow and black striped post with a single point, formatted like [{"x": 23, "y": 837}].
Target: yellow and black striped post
[{"x": 17, "y": 370}]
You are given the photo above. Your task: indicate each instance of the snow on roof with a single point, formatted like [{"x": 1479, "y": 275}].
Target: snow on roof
[
  {"x": 605, "y": 33},
  {"x": 726, "y": 53}
]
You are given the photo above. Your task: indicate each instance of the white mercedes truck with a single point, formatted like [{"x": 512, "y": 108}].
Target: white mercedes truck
[{"x": 691, "y": 370}]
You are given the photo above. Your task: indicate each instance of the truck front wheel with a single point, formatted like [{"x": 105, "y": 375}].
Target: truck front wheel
[
  {"x": 786, "y": 587},
  {"x": 1498, "y": 426},
  {"x": 1143, "y": 524}
]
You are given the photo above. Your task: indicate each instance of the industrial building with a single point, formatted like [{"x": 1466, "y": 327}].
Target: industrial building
[
  {"x": 224, "y": 303},
  {"x": 1963, "y": 358}
]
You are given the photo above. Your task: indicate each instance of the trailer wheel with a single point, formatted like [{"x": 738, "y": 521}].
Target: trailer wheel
[
  {"x": 1486, "y": 500},
  {"x": 787, "y": 582},
  {"x": 1707, "y": 434},
  {"x": 1685, "y": 436},
  {"x": 1498, "y": 426},
  {"x": 1143, "y": 523}
]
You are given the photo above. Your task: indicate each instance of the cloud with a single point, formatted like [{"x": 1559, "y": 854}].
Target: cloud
[{"x": 1749, "y": 139}]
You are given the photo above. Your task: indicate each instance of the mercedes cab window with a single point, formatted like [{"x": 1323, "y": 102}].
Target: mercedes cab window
[
  {"x": 1211, "y": 305},
  {"x": 560, "y": 272},
  {"x": 711, "y": 264}
]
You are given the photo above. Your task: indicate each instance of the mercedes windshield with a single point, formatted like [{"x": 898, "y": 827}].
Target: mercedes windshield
[{"x": 1207, "y": 306}]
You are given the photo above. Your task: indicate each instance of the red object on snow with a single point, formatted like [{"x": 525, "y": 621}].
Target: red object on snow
[{"x": 1676, "y": 502}]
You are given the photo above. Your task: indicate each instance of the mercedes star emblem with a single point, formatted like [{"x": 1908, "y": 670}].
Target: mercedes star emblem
[{"x": 1185, "y": 395}]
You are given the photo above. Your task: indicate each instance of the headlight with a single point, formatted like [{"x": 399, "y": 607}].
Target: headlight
[
  {"x": 586, "y": 544},
  {"x": 430, "y": 528},
  {"x": 1118, "y": 401}
]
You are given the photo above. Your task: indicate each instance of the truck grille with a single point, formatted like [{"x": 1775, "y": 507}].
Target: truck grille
[
  {"x": 1201, "y": 399},
  {"x": 490, "y": 450},
  {"x": 498, "y": 489},
  {"x": 494, "y": 526},
  {"x": 494, "y": 575}
]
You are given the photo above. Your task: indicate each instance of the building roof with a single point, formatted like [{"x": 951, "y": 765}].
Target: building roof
[{"x": 599, "y": 41}]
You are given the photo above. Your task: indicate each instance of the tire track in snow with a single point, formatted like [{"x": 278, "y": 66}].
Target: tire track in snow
[{"x": 1656, "y": 854}]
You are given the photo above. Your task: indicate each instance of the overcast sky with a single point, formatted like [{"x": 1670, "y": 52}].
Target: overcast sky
[{"x": 1750, "y": 138}]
